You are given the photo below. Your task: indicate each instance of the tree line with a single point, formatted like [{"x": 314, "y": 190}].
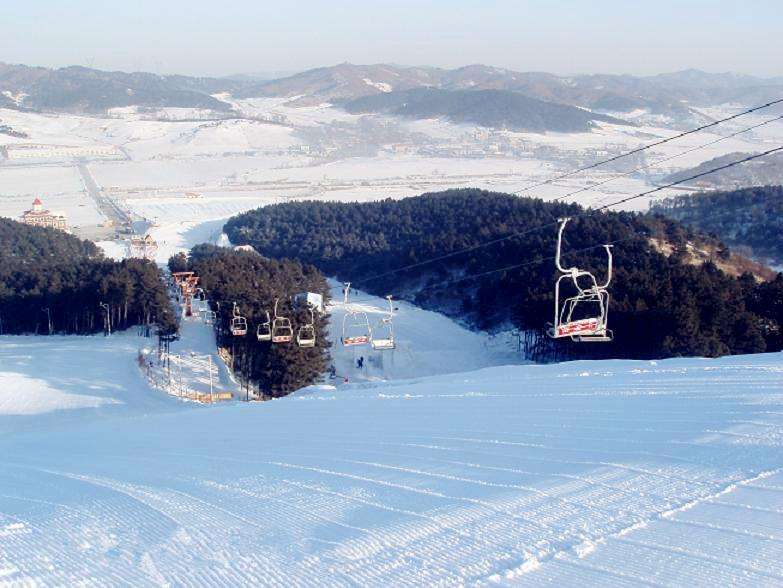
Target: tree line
[
  {"x": 661, "y": 306},
  {"x": 254, "y": 282},
  {"x": 52, "y": 282},
  {"x": 751, "y": 218}
]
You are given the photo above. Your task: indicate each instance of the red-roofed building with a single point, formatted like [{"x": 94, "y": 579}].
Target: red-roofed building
[{"x": 40, "y": 217}]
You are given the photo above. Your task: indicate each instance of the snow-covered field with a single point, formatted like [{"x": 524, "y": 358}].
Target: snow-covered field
[
  {"x": 292, "y": 153},
  {"x": 619, "y": 473},
  {"x": 60, "y": 189}
]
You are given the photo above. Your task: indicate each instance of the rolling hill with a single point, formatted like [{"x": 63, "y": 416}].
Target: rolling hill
[
  {"x": 751, "y": 218},
  {"x": 487, "y": 108},
  {"x": 766, "y": 171},
  {"x": 81, "y": 89},
  {"x": 430, "y": 249},
  {"x": 671, "y": 94}
]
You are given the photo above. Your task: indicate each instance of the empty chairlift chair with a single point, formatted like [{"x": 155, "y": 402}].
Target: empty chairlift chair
[
  {"x": 583, "y": 316},
  {"x": 356, "y": 325},
  {"x": 282, "y": 332},
  {"x": 264, "y": 330},
  {"x": 238, "y": 323},
  {"x": 383, "y": 336},
  {"x": 305, "y": 336}
]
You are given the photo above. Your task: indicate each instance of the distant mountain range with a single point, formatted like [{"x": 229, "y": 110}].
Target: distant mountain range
[
  {"x": 669, "y": 93},
  {"x": 81, "y": 89},
  {"x": 487, "y": 108}
]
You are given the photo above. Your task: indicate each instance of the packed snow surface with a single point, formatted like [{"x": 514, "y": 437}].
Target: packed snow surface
[
  {"x": 619, "y": 473},
  {"x": 426, "y": 343},
  {"x": 50, "y": 381}
]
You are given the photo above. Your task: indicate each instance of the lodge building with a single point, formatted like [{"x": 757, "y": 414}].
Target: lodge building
[{"x": 38, "y": 216}]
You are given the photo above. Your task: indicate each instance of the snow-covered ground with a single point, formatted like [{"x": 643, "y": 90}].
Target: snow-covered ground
[
  {"x": 619, "y": 473},
  {"x": 439, "y": 463},
  {"x": 426, "y": 343},
  {"x": 294, "y": 153},
  {"x": 54, "y": 381}
]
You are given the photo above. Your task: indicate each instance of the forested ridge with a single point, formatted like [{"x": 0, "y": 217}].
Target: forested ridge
[
  {"x": 488, "y": 108},
  {"x": 254, "y": 282},
  {"x": 661, "y": 306},
  {"x": 53, "y": 282},
  {"x": 750, "y": 218}
]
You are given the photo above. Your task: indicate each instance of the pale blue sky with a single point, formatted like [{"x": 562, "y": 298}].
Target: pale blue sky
[{"x": 219, "y": 38}]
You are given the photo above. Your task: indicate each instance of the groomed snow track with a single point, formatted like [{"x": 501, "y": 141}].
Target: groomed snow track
[{"x": 590, "y": 473}]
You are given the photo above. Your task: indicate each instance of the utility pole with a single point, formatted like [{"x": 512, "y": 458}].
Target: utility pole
[
  {"x": 211, "y": 390},
  {"x": 181, "y": 384},
  {"x": 48, "y": 318},
  {"x": 106, "y": 319}
]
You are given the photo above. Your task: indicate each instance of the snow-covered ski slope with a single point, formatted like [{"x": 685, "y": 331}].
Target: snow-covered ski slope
[
  {"x": 426, "y": 343},
  {"x": 57, "y": 381},
  {"x": 618, "y": 473}
]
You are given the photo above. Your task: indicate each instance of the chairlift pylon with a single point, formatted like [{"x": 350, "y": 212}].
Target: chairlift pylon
[
  {"x": 305, "y": 335},
  {"x": 238, "y": 323},
  {"x": 356, "y": 325},
  {"x": 582, "y": 317},
  {"x": 282, "y": 332},
  {"x": 386, "y": 326}
]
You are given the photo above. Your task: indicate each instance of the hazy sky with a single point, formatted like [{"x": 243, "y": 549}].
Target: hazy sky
[{"x": 219, "y": 38}]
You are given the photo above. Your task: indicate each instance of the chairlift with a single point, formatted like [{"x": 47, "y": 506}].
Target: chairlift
[
  {"x": 209, "y": 317},
  {"x": 386, "y": 326},
  {"x": 264, "y": 330},
  {"x": 305, "y": 336},
  {"x": 582, "y": 317},
  {"x": 282, "y": 332},
  {"x": 356, "y": 325},
  {"x": 238, "y": 323}
]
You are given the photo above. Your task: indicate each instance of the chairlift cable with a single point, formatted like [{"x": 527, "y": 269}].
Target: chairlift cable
[
  {"x": 533, "y": 229},
  {"x": 586, "y": 213},
  {"x": 648, "y": 146},
  {"x": 592, "y": 212},
  {"x": 665, "y": 159}
]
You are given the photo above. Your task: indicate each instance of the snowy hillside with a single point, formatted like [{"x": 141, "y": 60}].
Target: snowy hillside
[
  {"x": 590, "y": 473},
  {"x": 427, "y": 343},
  {"x": 51, "y": 381}
]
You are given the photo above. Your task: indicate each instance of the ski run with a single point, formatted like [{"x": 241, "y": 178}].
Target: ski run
[{"x": 447, "y": 466}]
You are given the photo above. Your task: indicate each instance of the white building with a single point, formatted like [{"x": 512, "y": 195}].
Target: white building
[{"x": 37, "y": 216}]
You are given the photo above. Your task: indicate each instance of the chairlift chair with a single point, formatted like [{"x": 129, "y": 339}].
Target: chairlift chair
[
  {"x": 264, "y": 330},
  {"x": 356, "y": 325},
  {"x": 305, "y": 335},
  {"x": 582, "y": 317},
  {"x": 282, "y": 332},
  {"x": 238, "y": 323},
  {"x": 209, "y": 317},
  {"x": 386, "y": 326}
]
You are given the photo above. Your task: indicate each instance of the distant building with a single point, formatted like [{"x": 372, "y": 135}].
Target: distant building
[
  {"x": 37, "y": 216},
  {"x": 143, "y": 247}
]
